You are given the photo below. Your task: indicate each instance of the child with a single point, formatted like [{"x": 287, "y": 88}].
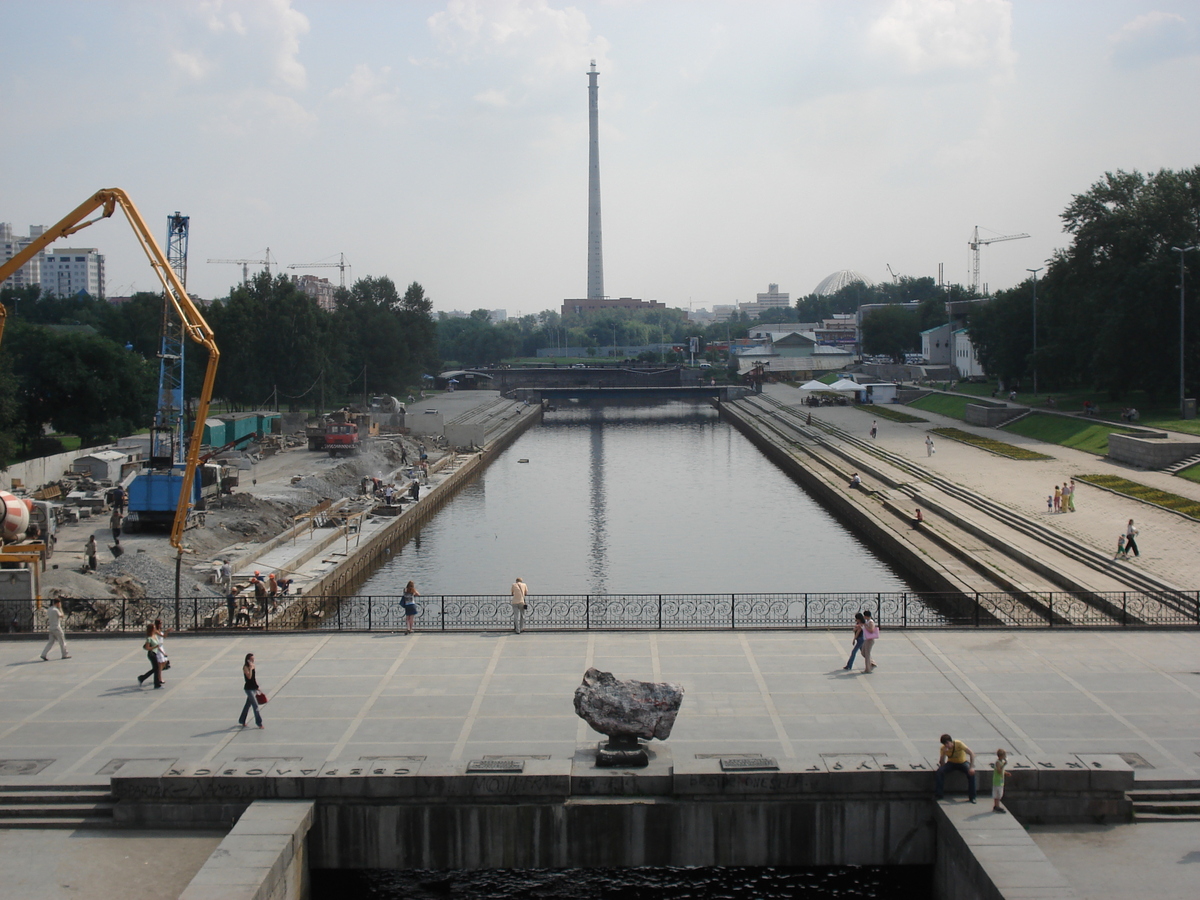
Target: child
[
  {"x": 998, "y": 776},
  {"x": 1121, "y": 552},
  {"x": 1049, "y": 504}
]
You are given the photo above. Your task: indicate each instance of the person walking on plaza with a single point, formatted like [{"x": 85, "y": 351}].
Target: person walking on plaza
[
  {"x": 1122, "y": 553},
  {"x": 857, "y": 641},
  {"x": 151, "y": 645},
  {"x": 957, "y": 756},
  {"x": 929, "y": 448},
  {"x": 520, "y": 590},
  {"x": 870, "y": 636},
  {"x": 90, "y": 550},
  {"x": 1131, "y": 533},
  {"x": 999, "y": 773},
  {"x": 410, "y": 606},
  {"x": 54, "y": 625},
  {"x": 1071, "y": 501},
  {"x": 250, "y": 685},
  {"x": 163, "y": 659},
  {"x": 1057, "y": 498},
  {"x": 874, "y": 429}
]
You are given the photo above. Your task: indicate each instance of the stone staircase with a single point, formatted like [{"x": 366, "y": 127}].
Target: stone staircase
[
  {"x": 1169, "y": 802},
  {"x": 1181, "y": 465},
  {"x": 56, "y": 806}
]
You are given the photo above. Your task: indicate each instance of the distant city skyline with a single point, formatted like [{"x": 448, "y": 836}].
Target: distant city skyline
[{"x": 447, "y": 143}]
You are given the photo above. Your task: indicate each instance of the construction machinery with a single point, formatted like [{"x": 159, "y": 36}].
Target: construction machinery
[
  {"x": 341, "y": 265},
  {"x": 247, "y": 263},
  {"x": 192, "y": 325},
  {"x": 979, "y": 242}
]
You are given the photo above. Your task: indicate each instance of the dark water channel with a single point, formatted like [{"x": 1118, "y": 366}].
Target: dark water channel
[
  {"x": 634, "y": 499},
  {"x": 704, "y": 883}
]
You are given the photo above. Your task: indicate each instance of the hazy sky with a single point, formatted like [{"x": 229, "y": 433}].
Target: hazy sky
[{"x": 741, "y": 142}]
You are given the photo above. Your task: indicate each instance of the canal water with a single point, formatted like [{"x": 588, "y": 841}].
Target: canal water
[
  {"x": 701, "y": 883},
  {"x": 634, "y": 499}
]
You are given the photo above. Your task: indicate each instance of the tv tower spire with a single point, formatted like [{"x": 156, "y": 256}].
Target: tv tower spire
[{"x": 595, "y": 270}]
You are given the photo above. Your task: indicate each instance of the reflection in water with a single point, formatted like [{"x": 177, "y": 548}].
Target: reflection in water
[
  {"x": 599, "y": 558},
  {"x": 648, "y": 499}
]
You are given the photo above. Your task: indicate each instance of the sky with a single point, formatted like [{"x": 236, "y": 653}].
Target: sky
[{"x": 742, "y": 142}]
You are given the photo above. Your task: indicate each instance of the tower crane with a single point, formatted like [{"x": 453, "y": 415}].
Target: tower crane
[
  {"x": 979, "y": 242},
  {"x": 247, "y": 263},
  {"x": 167, "y": 436},
  {"x": 341, "y": 264}
]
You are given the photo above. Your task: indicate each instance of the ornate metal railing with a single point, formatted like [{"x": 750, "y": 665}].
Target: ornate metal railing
[{"x": 627, "y": 612}]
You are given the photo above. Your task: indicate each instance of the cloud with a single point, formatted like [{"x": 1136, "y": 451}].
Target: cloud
[
  {"x": 252, "y": 112},
  {"x": 932, "y": 35},
  {"x": 493, "y": 98},
  {"x": 546, "y": 41},
  {"x": 1152, "y": 38},
  {"x": 369, "y": 92},
  {"x": 270, "y": 28},
  {"x": 194, "y": 66}
]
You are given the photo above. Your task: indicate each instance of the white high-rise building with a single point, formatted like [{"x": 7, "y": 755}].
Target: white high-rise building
[
  {"x": 69, "y": 270},
  {"x": 11, "y": 245}
]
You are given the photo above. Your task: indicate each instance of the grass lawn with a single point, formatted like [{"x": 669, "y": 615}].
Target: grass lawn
[
  {"x": 890, "y": 412},
  {"x": 1144, "y": 492},
  {"x": 983, "y": 443},
  {"x": 1191, "y": 473},
  {"x": 1079, "y": 434},
  {"x": 945, "y": 404}
]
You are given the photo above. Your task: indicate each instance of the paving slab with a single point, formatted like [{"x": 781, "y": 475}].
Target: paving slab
[{"x": 452, "y": 697}]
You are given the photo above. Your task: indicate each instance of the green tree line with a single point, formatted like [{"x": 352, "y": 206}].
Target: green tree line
[
  {"x": 1107, "y": 305},
  {"x": 83, "y": 366}
]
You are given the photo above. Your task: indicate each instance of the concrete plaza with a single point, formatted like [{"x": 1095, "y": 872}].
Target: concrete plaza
[{"x": 457, "y": 697}]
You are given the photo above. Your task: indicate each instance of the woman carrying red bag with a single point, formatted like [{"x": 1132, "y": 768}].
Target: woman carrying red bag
[{"x": 252, "y": 692}]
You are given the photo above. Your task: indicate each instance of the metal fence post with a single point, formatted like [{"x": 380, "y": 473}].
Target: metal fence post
[
  {"x": 732, "y": 611},
  {"x": 443, "y": 605},
  {"x": 1051, "y": 609},
  {"x": 904, "y": 614},
  {"x": 1125, "y": 608},
  {"x": 806, "y": 610},
  {"x": 977, "y": 609},
  {"x": 339, "y": 613},
  {"x": 195, "y": 613},
  {"x": 368, "y": 613},
  {"x": 660, "y": 612}
]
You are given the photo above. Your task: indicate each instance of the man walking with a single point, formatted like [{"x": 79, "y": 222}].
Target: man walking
[
  {"x": 955, "y": 755},
  {"x": 519, "y": 604},
  {"x": 226, "y": 574},
  {"x": 929, "y": 450},
  {"x": 54, "y": 620},
  {"x": 90, "y": 549}
]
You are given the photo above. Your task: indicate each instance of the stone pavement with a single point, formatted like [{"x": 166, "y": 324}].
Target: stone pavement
[
  {"x": 455, "y": 697},
  {"x": 1167, "y": 541}
]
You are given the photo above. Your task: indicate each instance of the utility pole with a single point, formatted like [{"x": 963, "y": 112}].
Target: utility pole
[
  {"x": 1035, "y": 271},
  {"x": 1182, "y": 391}
]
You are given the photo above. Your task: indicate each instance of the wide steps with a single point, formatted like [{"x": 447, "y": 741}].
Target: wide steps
[
  {"x": 1166, "y": 805},
  {"x": 55, "y": 806}
]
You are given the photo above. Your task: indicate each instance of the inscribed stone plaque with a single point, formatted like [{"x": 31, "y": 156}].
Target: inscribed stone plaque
[
  {"x": 23, "y": 766},
  {"x": 496, "y": 765},
  {"x": 749, "y": 764},
  {"x": 115, "y": 765}
]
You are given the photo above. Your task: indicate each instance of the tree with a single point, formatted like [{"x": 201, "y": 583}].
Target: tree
[
  {"x": 891, "y": 331},
  {"x": 80, "y": 384}
]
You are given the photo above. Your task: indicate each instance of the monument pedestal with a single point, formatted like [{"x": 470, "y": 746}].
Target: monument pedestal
[{"x": 625, "y": 752}]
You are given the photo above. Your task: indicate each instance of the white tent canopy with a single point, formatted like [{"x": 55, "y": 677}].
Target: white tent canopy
[
  {"x": 814, "y": 386},
  {"x": 846, "y": 385}
]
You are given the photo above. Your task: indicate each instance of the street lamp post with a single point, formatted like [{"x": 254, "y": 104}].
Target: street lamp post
[
  {"x": 1182, "y": 392},
  {"x": 1035, "y": 271}
]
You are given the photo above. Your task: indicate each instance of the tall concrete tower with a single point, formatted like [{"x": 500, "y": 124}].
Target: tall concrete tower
[{"x": 595, "y": 272}]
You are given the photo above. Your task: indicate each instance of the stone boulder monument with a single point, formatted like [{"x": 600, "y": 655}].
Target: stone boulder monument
[{"x": 626, "y": 711}]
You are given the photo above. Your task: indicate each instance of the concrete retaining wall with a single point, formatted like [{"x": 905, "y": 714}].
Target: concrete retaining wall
[
  {"x": 264, "y": 856},
  {"x": 1149, "y": 451}
]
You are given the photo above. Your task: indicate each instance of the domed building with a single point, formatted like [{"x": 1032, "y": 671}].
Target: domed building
[{"x": 838, "y": 280}]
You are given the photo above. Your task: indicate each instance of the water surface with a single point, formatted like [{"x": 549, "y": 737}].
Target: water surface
[{"x": 634, "y": 499}]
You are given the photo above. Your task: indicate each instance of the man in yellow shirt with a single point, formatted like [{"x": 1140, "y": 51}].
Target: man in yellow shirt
[{"x": 957, "y": 756}]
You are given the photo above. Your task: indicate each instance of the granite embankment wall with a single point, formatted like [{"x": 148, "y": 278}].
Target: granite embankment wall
[
  {"x": 920, "y": 568},
  {"x": 562, "y": 813},
  {"x": 364, "y": 560}
]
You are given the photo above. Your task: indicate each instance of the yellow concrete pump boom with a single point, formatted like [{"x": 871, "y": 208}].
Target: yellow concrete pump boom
[{"x": 107, "y": 201}]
